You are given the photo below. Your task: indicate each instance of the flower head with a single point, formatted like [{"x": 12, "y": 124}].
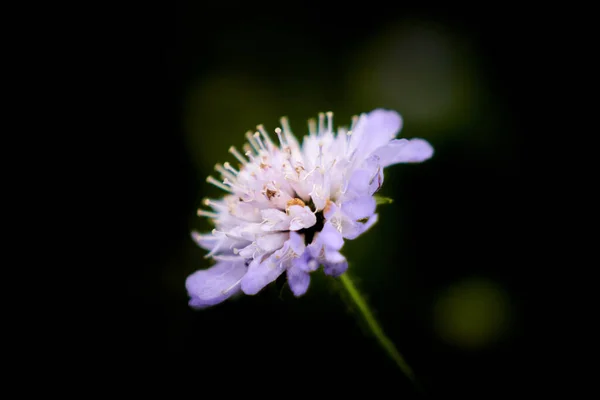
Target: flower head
[{"x": 289, "y": 206}]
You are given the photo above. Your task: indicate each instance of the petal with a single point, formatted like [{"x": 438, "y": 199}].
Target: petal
[
  {"x": 312, "y": 265},
  {"x": 302, "y": 217},
  {"x": 373, "y": 164},
  {"x": 358, "y": 184},
  {"x": 207, "y": 242},
  {"x": 274, "y": 220},
  {"x": 374, "y": 218},
  {"x": 404, "y": 151},
  {"x": 334, "y": 257},
  {"x": 329, "y": 210},
  {"x": 246, "y": 211},
  {"x": 260, "y": 274},
  {"x": 305, "y": 262},
  {"x": 249, "y": 251},
  {"x": 296, "y": 243},
  {"x": 365, "y": 180},
  {"x": 211, "y": 286},
  {"x": 376, "y": 130},
  {"x": 314, "y": 249},
  {"x": 352, "y": 230},
  {"x": 298, "y": 280},
  {"x": 335, "y": 269},
  {"x": 359, "y": 208},
  {"x": 331, "y": 237},
  {"x": 384, "y": 124},
  {"x": 272, "y": 242}
]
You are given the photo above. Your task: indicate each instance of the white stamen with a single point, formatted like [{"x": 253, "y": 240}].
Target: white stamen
[
  {"x": 329, "y": 121},
  {"x": 219, "y": 168},
  {"x": 215, "y": 249},
  {"x": 312, "y": 127},
  {"x": 321, "y": 123},
  {"x": 281, "y": 138},
  {"x": 285, "y": 124},
  {"x": 204, "y": 213},
  {"x": 229, "y": 168},
  {"x": 354, "y": 121},
  {"x": 260, "y": 143},
  {"x": 247, "y": 149},
  {"x": 197, "y": 237},
  {"x": 231, "y": 287},
  {"x": 214, "y": 205},
  {"x": 234, "y": 185},
  {"x": 265, "y": 135},
  {"x": 218, "y": 184},
  {"x": 249, "y": 155},
  {"x": 237, "y": 155},
  {"x": 348, "y": 138},
  {"x": 252, "y": 142}
]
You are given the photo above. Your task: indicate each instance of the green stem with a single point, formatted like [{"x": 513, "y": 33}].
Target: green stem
[{"x": 374, "y": 326}]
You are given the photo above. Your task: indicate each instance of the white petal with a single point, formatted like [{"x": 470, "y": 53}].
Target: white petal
[
  {"x": 375, "y": 130},
  {"x": 359, "y": 208},
  {"x": 260, "y": 274},
  {"x": 296, "y": 243},
  {"x": 275, "y": 220},
  {"x": 334, "y": 257},
  {"x": 302, "y": 217},
  {"x": 207, "y": 242},
  {"x": 330, "y": 237},
  {"x": 404, "y": 151},
  {"x": 272, "y": 241},
  {"x": 211, "y": 286}
]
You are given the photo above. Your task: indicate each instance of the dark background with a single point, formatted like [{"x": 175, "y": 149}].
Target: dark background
[{"x": 442, "y": 267}]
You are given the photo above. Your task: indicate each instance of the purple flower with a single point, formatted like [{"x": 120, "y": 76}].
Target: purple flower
[{"x": 289, "y": 207}]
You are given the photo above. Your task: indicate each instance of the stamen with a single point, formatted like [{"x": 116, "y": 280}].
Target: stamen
[
  {"x": 348, "y": 138},
  {"x": 214, "y": 205},
  {"x": 260, "y": 143},
  {"x": 228, "y": 167},
  {"x": 218, "y": 184},
  {"x": 197, "y": 237},
  {"x": 282, "y": 140},
  {"x": 354, "y": 121},
  {"x": 250, "y": 156},
  {"x": 234, "y": 185},
  {"x": 204, "y": 213},
  {"x": 264, "y": 133},
  {"x": 234, "y": 237},
  {"x": 219, "y": 168},
  {"x": 224, "y": 292},
  {"x": 329, "y": 121},
  {"x": 320, "y": 156},
  {"x": 287, "y": 131},
  {"x": 238, "y": 155},
  {"x": 285, "y": 124},
  {"x": 215, "y": 249},
  {"x": 321, "y": 123},
  {"x": 312, "y": 127},
  {"x": 252, "y": 142}
]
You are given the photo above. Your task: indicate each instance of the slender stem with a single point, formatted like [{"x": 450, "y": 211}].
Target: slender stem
[{"x": 374, "y": 326}]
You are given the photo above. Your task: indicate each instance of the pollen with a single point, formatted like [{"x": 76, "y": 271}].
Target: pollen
[
  {"x": 270, "y": 193},
  {"x": 295, "y": 202},
  {"x": 327, "y": 206}
]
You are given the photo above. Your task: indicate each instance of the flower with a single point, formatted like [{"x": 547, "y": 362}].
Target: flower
[{"x": 289, "y": 207}]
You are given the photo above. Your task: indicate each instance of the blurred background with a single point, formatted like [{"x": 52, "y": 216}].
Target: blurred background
[{"x": 440, "y": 269}]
